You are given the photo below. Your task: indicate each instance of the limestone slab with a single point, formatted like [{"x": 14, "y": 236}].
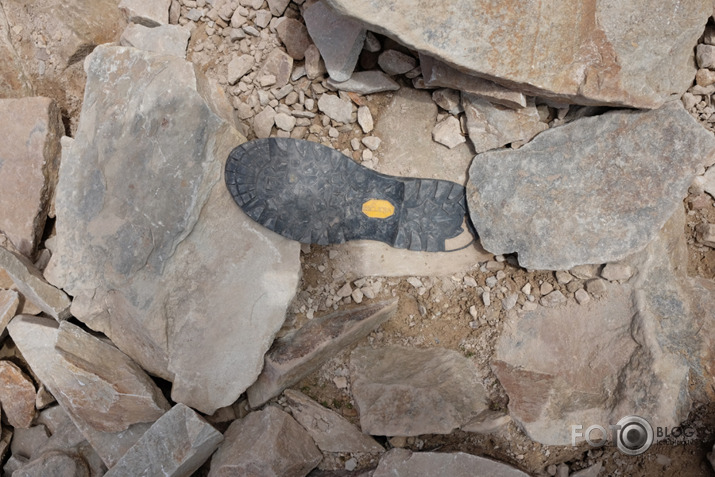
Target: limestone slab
[
  {"x": 292, "y": 358},
  {"x": 587, "y": 52},
  {"x": 175, "y": 445},
  {"x": 154, "y": 251},
  {"x": 428, "y": 464},
  {"x": 564, "y": 199},
  {"x": 29, "y": 160},
  {"x": 407, "y": 391}
]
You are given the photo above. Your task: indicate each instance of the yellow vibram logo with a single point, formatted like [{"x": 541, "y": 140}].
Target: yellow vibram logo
[{"x": 378, "y": 209}]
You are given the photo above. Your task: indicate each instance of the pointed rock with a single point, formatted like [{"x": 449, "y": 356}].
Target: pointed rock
[
  {"x": 284, "y": 447},
  {"x": 30, "y": 153},
  {"x": 150, "y": 14},
  {"x": 152, "y": 250},
  {"x": 398, "y": 390},
  {"x": 17, "y": 395},
  {"x": 14, "y": 79},
  {"x": 30, "y": 282},
  {"x": 330, "y": 431},
  {"x": 339, "y": 39},
  {"x": 9, "y": 301},
  {"x": 294, "y": 36},
  {"x": 164, "y": 39},
  {"x": 55, "y": 463},
  {"x": 585, "y": 56},
  {"x": 366, "y": 82},
  {"x": 428, "y": 464},
  {"x": 292, "y": 358},
  {"x": 563, "y": 200},
  {"x": 491, "y": 126},
  {"x": 175, "y": 445}
]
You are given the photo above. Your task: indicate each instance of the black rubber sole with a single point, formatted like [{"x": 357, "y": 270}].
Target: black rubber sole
[{"x": 314, "y": 194}]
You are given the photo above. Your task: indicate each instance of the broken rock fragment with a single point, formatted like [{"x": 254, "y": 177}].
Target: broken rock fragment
[
  {"x": 165, "y": 39},
  {"x": 17, "y": 395},
  {"x": 175, "y": 445},
  {"x": 150, "y": 14},
  {"x": 284, "y": 447},
  {"x": 398, "y": 390},
  {"x": 428, "y": 464},
  {"x": 564, "y": 199},
  {"x": 292, "y": 358}
]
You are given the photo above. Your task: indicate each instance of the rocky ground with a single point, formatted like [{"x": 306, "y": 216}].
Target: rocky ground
[{"x": 152, "y": 327}]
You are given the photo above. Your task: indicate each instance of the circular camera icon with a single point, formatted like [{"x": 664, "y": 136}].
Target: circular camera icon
[{"x": 634, "y": 435}]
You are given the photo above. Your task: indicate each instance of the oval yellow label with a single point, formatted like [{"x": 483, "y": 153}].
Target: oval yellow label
[{"x": 378, "y": 209}]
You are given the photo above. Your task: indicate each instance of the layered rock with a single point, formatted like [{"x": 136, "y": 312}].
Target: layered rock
[
  {"x": 155, "y": 251},
  {"x": 588, "y": 53},
  {"x": 30, "y": 153},
  {"x": 427, "y": 464},
  {"x": 564, "y": 199},
  {"x": 398, "y": 390}
]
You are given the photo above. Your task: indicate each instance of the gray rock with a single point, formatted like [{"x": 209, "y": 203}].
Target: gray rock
[
  {"x": 149, "y": 275},
  {"x": 428, "y": 464},
  {"x": 91, "y": 379},
  {"x": 277, "y": 7},
  {"x": 448, "y": 99},
  {"x": 490, "y": 126},
  {"x": 30, "y": 151},
  {"x": 263, "y": 18},
  {"x": 14, "y": 78},
  {"x": 284, "y": 447},
  {"x": 705, "y": 56},
  {"x": 150, "y": 14},
  {"x": 553, "y": 299},
  {"x": 175, "y": 445},
  {"x": 30, "y": 282},
  {"x": 9, "y": 303},
  {"x": 596, "y": 287},
  {"x": 330, "y": 431},
  {"x": 487, "y": 422},
  {"x": 164, "y": 39},
  {"x": 339, "y": 39},
  {"x": 437, "y": 74},
  {"x": 395, "y": 62},
  {"x": 408, "y": 392},
  {"x": 263, "y": 122},
  {"x": 194, "y": 14},
  {"x": 582, "y": 296},
  {"x": 610, "y": 199},
  {"x": 335, "y": 108},
  {"x": 294, "y": 36},
  {"x": 27, "y": 441},
  {"x": 371, "y": 142},
  {"x": 314, "y": 64},
  {"x": 284, "y": 121},
  {"x": 17, "y": 395},
  {"x": 238, "y": 67},
  {"x": 614, "y": 272},
  {"x": 448, "y": 132},
  {"x": 292, "y": 358},
  {"x": 585, "y": 56},
  {"x": 55, "y": 463},
  {"x": 366, "y": 82},
  {"x": 591, "y": 471},
  {"x": 278, "y": 64}
]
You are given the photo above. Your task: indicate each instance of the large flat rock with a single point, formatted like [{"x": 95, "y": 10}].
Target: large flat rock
[
  {"x": 454, "y": 464},
  {"x": 588, "y": 52},
  {"x": 593, "y": 191},
  {"x": 149, "y": 242}
]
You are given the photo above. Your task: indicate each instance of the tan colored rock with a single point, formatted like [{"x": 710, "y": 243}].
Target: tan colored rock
[
  {"x": 9, "y": 302},
  {"x": 174, "y": 446},
  {"x": 14, "y": 80},
  {"x": 55, "y": 463},
  {"x": 91, "y": 379},
  {"x": 294, "y": 36},
  {"x": 30, "y": 282},
  {"x": 150, "y": 14},
  {"x": 284, "y": 447},
  {"x": 292, "y": 358},
  {"x": 705, "y": 234},
  {"x": 17, "y": 395},
  {"x": 30, "y": 153},
  {"x": 582, "y": 52},
  {"x": 399, "y": 462},
  {"x": 330, "y": 431}
]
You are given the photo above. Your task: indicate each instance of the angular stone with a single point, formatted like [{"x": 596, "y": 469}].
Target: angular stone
[
  {"x": 339, "y": 39},
  {"x": 277, "y": 7},
  {"x": 263, "y": 122},
  {"x": 278, "y": 64},
  {"x": 17, "y": 395},
  {"x": 14, "y": 79},
  {"x": 448, "y": 99},
  {"x": 490, "y": 126},
  {"x": 614, "y": 272},
  {"x": 705, "y": 234},
  {"x": 164, "y": 39},
  {"x": 553, "y": 299},
  {"x": 705, "y": 56},
  {"x": 395, "y": 62},
  {"x": 30, "y": 282},
  {"x": 239, "y": 66},
  {"x": 91, "y": 379},
  {"x": 294, "y": 36},
  {"x": 364, "y": 117},
  {"x": 398, "y": 390},
  {"x": 284, "y": 447},
  {"x": 150, "y": 14},
  {"x": 335, "y": 108},
  {"x": 611, "y": 197},
  {"x": 26, "y": 441},
  {"x": 151, "y": 274},
  {"x": 428, "y": 464},
  {"x": 30, "y": 158},
  {"x": 407, "y": 151},
  {"x": 292, "y": 358},
  {"x": 585, "y": 56},
  {"x": 366, "y": 82},
  {"x": 437, "y": 74},
  {"x": 487, "y": 422},
  {"x": 448, "y": 132},
  {"x": 314, "y": 64},
  {"x": 330, "y": 431},
  {"x": 9, "y": 302},
  {"x": 175, "y": 445},
  {"x": 55, "y": 463}
]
